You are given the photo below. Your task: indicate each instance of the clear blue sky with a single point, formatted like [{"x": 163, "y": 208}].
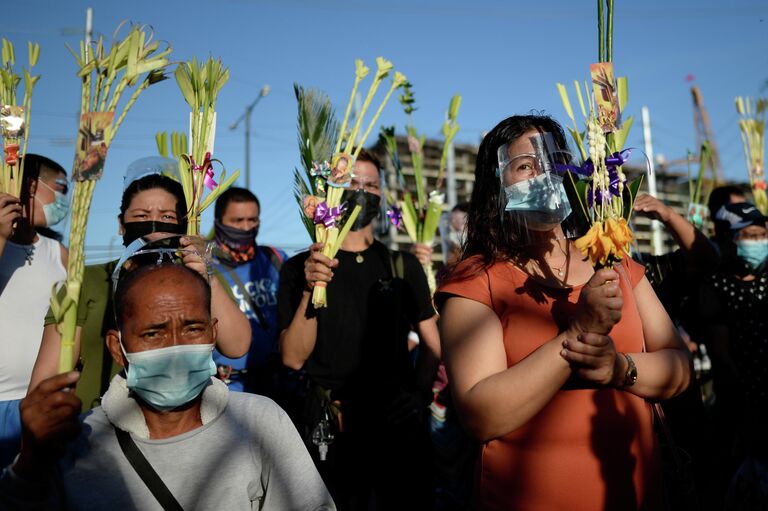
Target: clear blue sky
[{"x": 504, "y": 57}]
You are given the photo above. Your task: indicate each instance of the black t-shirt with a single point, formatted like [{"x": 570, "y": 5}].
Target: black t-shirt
[
  {"x": 743, "y": 307},
  {"x": 362, "y": 335}
]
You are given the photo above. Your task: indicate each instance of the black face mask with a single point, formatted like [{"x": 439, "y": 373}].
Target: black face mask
[
  {"x": 136, "y": 230},
  {"x": 234, "y": 238},
  {"x": 369, "y": 206}
]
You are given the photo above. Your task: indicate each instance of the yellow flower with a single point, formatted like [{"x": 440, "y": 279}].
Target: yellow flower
[
  {"x": 621, "y": 235},
  {"x": 605, "y": 241}
]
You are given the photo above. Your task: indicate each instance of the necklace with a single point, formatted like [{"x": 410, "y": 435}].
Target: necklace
[
  {"x": 561, "y": 270},
  {"x": 359, "y": 258}
]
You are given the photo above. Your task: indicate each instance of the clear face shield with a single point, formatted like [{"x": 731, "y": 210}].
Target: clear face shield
[
  {"x": 146, "y": 252},
  {"x": 534, "y": 199},
  {"x": 151, "y": 165}
]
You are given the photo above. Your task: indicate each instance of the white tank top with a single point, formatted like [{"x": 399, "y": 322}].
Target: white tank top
[{"x": 27, "y": 275}]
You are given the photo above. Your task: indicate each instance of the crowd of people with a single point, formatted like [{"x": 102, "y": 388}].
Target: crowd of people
[{"x": 529, "y": 380}]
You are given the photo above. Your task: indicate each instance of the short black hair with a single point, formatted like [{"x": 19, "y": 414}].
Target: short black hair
[
  {"x": 462, "y": 207},
  {"x": 134, "y": 277},
  {"x": 233, "y": 194},
  {"x": 370, "y": 158},
  {"x": 152, "y": 182},
  {"x": 36, "y": 166}
]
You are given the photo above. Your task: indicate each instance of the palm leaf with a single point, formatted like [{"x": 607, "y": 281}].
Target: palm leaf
[{"x": 318, "y": 127}]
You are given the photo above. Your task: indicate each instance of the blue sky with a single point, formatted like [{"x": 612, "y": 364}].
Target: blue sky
[{"x": 504, "y": 57}]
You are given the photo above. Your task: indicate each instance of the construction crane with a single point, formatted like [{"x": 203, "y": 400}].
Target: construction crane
[{"x": 704, "y": 130}]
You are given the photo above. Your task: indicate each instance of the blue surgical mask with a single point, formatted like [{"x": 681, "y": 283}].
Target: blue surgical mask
[
  {"x": 542, "y": 200},
  {"x": 57, "y": 210},
  {"x": 753, "y": 252},
  {"x": 167, "y": 378}
]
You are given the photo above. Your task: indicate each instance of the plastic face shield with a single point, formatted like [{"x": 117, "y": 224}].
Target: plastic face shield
[
  {"x": 533, "y": 195},
  {"x": 142, "y": 252},
  {"x": 149, "y": 166}
]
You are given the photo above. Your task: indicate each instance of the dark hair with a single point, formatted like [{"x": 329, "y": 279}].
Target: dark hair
[
  {"x": 462, "y": 207},
  {"x": 485, "y": 234},
  {"x": 721, "y": 196},
  {"x": 370, "y": 158},
  {"x": 36, "y": 166},
  {"x": 152, "y": 182},
  {"x": 233, "y": 194},
  {"x": 132, "y": 278}
]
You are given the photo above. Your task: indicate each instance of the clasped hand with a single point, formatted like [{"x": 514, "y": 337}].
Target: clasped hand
[{"x": 588, "y": 347}]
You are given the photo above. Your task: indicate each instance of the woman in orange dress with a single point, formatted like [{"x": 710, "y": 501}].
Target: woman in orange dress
[{"x": 551, "y": 363}]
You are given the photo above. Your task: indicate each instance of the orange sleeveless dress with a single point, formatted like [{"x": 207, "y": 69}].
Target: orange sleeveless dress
[{"x": 588, "y": 449}]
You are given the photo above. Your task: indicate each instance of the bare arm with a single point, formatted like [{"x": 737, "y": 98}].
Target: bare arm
[
  {"x": 664, "y": 370},
  {"x": 473, "y": 350},
  {"x": 234, "y": 333},
  {"x": 298, "y": 340},
  {"x": 47, "y": 363},
  {"x": 429, "y": 353},
  {"x": 64, "y": 256}
]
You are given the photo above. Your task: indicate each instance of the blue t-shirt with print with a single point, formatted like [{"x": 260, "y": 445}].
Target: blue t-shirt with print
[{"x": 260, "y": 279}]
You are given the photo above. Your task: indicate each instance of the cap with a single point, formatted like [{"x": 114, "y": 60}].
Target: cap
[{"x": 737, "y": 216}]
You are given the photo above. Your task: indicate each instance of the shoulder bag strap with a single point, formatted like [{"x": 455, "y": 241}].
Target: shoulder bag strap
[{"x": 146, "y": 472}]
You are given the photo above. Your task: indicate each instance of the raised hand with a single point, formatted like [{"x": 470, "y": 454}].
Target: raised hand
[{"x": 318, "y": 267}]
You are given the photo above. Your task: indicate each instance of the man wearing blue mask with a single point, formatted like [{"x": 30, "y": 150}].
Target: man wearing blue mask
[
  {"x": 30, "y": 265},
  {"x": 52, "y": 198},
  {"x": 165, "y": 426}
]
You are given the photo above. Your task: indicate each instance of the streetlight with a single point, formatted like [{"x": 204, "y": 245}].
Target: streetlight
[{"x": 247, "y": 116}]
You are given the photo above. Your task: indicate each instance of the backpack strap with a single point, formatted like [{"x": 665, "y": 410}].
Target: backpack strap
[
  {"x": 274, "y": 256},
  {"x": 263, "y": 323},
  {"x": 145, "y": 471}
]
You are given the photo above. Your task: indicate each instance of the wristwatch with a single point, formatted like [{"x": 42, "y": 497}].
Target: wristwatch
[{"x": 631, "y": 375}]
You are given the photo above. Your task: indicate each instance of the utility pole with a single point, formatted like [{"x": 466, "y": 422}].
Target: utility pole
[
  {"x": 88, "y": 31},
  {"x": 247, "y": 117},
  {"x": 655, "y": 224}
]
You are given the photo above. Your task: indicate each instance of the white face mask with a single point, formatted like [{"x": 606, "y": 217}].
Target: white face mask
[
  {"x": 541, "y": 200},
  {"x": 57, "y": 210},
  {"x": 167, "y": 378}
]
